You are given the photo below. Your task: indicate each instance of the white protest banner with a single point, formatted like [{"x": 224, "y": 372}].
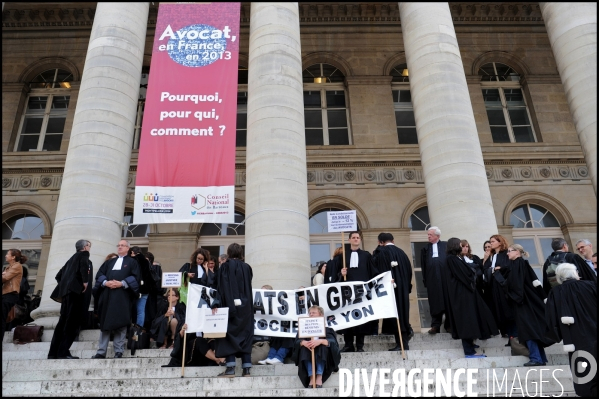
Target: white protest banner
[
  {"x": 276, "y": 312},
  {"x": 199, "y": 299},
  {"x": 309, "y": 327},
  {"x": 342, "y": 221},
  {"x": 171, "y": 280}
]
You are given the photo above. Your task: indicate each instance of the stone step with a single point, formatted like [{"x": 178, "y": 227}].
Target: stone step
[
  {"x": 371, "y": 345},
  {"x": 118, "y": 369},
  {"x": 350, "y": 361},
  {"x": 94, "y": 335},
  {"x": 135, "y": 386}
]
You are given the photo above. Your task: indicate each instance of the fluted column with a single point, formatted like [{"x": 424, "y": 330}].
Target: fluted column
[
  {"x": 276, "y": 236},
  {"x": 457, "y": 192},
  {"x": 94, "y": 185},
  {"x": 572, "y": 30}
]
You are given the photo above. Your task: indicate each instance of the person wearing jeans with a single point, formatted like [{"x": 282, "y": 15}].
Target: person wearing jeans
[{"x": 279, "y": 349}]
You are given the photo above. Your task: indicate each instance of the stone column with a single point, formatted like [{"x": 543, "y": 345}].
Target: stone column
[
  {"x": 572, "y": 30},
  {"x": 276, "y": 235},
  {"x": 92, "y": 196},
  {"x": 457, "y": 192}
]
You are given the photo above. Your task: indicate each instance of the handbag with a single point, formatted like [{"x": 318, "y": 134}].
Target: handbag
[
  {"x": 11, "y": 315},
  {"x": 518, "y": 349},
  {"x": 27, "y": 333}
]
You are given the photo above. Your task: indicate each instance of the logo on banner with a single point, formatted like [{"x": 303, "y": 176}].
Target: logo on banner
[
  {"x": 198, "y": 201},
  {"x": 197, "y": 45}
]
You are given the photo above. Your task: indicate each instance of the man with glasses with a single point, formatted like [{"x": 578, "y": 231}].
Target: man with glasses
[
  {"x": 560, "y": 255},
  {"x": 73, "y": 280},
  {"x": 117, "y": 285},
  {"x": 585, "y": 249}
]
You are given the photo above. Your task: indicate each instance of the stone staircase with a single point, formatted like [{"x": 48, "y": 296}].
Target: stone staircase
[{"x": 26, "y": 371}]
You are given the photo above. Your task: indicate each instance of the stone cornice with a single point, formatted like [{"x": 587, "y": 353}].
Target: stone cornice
[
  {"x": 15, "y": 87},
  {"x": 81, "y": 14},
  {"x": 390, "y": 174},
  {"x": 368, "y": 80},
  {"x": 541, "y": 79}
]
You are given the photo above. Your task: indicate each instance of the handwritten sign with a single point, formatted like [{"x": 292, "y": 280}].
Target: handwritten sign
[
  {"x": 215, "y": 325},
  {"x": 342, "y": 221},
  {"x": 309, "y": 327},
  {"x": 171, "y": 280}
]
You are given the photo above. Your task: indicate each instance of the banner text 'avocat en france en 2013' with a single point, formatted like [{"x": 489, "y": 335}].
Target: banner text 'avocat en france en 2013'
[{"x": 186, "y": 166}]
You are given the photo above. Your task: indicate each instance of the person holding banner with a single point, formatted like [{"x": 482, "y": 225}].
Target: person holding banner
[
  {"x": 358, "y": 267},
  {"x": 171, "y": 314},
  {"x": 326, "y": 353},
  {"x": 470, "y": 317},
  {"x": 199, "y": 351},
  {"x": 234, "y": 282},
  {"x": 387, "y": 257},
  {"x": 432, "y": 261}
]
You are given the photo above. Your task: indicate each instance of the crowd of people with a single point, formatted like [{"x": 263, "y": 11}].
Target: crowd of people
[{"x": 471, "y": 297}]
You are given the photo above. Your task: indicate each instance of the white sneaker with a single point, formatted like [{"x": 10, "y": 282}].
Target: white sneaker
[
  {"x": 273, "y": 361},
  {"x": 263, "y": 362}
]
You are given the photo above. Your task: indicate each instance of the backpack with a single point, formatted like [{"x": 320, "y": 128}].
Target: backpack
[
  {"x": 156, "y": 277},
  {"x": 554, "y": 261}
]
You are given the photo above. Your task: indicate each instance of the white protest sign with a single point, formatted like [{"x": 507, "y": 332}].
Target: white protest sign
[
  {"x": 215, "y": 325},
  {"x": 342, "y": 221},
  {"x": 171, "y": 280},
  {"x": 309, "y": 327}
]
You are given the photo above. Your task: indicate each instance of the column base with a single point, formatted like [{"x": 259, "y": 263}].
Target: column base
[{"x": 46, "y": 316}]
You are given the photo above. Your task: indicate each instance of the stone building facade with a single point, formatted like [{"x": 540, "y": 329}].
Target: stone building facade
[{"x": 505, "y": 129}]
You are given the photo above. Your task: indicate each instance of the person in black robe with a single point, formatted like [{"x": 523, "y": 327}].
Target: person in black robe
[
  {"x": 194, "y": 270},
  {"x": 358, "y": 267},
  {"x": 168, "y": 320},
  {"x": 527, "y": 299},
  {"x": 326, "y": 355},
  {"x": 475, "y": 263},
  {"x": 199, "y": 351},
  {"x": 117, "y": 286},
  {"x": 496, "y": 273},
  {"x": 73, "y": 282},
  {"x": 388, "y": 257},
  {"x": 571, "y": 314},
  {"x": 561, "y": 254},
  {"x": 432, "y": 261},
  {"x": 209, "y": 279},
  {"x": 470, "y": 317},
  {"x": 147, "y": 289},
  {"x": 234, "y": 282},
  {"x": 331, "y": 272}
]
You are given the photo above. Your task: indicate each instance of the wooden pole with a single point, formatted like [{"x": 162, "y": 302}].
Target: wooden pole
[
  {"x": 170, "y": 305},
  {"x": 403, "y": 353},
  {"x": 313, "y": 367},
  {"x": 343, "y": 251},
  {"x": 183, "y": 362}
]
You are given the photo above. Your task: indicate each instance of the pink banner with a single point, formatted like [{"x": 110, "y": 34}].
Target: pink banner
[{"x": 186, "y": 167}]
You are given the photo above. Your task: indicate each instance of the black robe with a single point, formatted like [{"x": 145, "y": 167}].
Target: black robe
[
  {"x": 469, "y": 315},
  {"x": 330, "y": 354},
  {"x": 364, "y": 272},
  {"x": 382, "y": 257},
  {"x": 159, "y": 325},
  {"x": 189, "y": 268},
  {"x": 501, "y": 308},
  {"x": 115, "y": 306},
  {"x": 234, "y": 281},
  {"x": 577, "y": 299},
  {"x": 74, "y": 274},
  {"x": 433, "y": 276},
  {"x": 584, "y": 271},
  {"x": 527, "y": 302}
]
